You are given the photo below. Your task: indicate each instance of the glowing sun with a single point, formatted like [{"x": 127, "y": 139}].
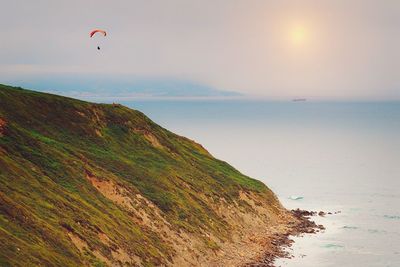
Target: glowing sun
[{"x": 298, "y": 35}]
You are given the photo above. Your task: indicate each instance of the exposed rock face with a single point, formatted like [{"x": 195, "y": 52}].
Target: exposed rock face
[{"x": 251, "y": 230}]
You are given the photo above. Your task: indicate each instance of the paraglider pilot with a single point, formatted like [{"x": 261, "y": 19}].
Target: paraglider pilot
[{"x": 92, "y": 33}]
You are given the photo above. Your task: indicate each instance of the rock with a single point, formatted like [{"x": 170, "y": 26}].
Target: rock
[
  {"x": 299, "y": 212},
  {"x": 279, "y": 245}
]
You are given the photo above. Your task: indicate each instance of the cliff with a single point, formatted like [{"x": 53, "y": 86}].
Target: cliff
[{"x": 85, "y": 184}]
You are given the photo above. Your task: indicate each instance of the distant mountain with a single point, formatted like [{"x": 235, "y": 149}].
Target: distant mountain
[
  {"x": 85, "y": 184},
  {"x": 123, "y": 86}
]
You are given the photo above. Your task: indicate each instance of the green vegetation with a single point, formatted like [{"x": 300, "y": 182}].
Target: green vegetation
[{"x": 49, "y": 144}]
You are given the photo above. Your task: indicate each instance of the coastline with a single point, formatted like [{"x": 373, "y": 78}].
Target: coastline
[
  {"x": 261, "y": 244},
  {"x": 276, "y": 244}
]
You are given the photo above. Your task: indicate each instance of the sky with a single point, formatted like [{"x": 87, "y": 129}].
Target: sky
[{"x": 272, "y": 49}]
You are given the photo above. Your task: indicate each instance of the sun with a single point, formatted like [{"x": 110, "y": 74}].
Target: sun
[{"x": 298, "y": 35}]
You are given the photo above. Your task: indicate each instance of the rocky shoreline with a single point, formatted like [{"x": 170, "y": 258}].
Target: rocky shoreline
[{"x": 278, "y": 243}]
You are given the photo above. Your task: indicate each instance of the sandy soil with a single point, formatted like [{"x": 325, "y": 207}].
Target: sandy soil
[{"x": 259, "y": 233}]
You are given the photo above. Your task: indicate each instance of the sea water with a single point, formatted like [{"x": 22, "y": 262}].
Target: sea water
[{"x": 327, "y": 156}]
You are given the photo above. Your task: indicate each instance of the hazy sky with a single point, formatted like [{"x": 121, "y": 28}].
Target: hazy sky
[{"x": 277, "y": 49}]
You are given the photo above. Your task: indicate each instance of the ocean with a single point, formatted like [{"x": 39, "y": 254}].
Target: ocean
[{"x": 320, "y": 156}]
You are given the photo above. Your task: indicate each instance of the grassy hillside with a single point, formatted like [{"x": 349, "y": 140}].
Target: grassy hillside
[{"x": 97, "y": 185}]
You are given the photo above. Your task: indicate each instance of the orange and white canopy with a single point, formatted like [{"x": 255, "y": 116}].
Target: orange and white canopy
[{"x": 92, "y": 33}]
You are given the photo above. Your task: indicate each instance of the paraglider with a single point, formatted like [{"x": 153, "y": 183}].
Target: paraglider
[
  {"x": 92, "y": 33},
  {"x": 98, "y": 31}
]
